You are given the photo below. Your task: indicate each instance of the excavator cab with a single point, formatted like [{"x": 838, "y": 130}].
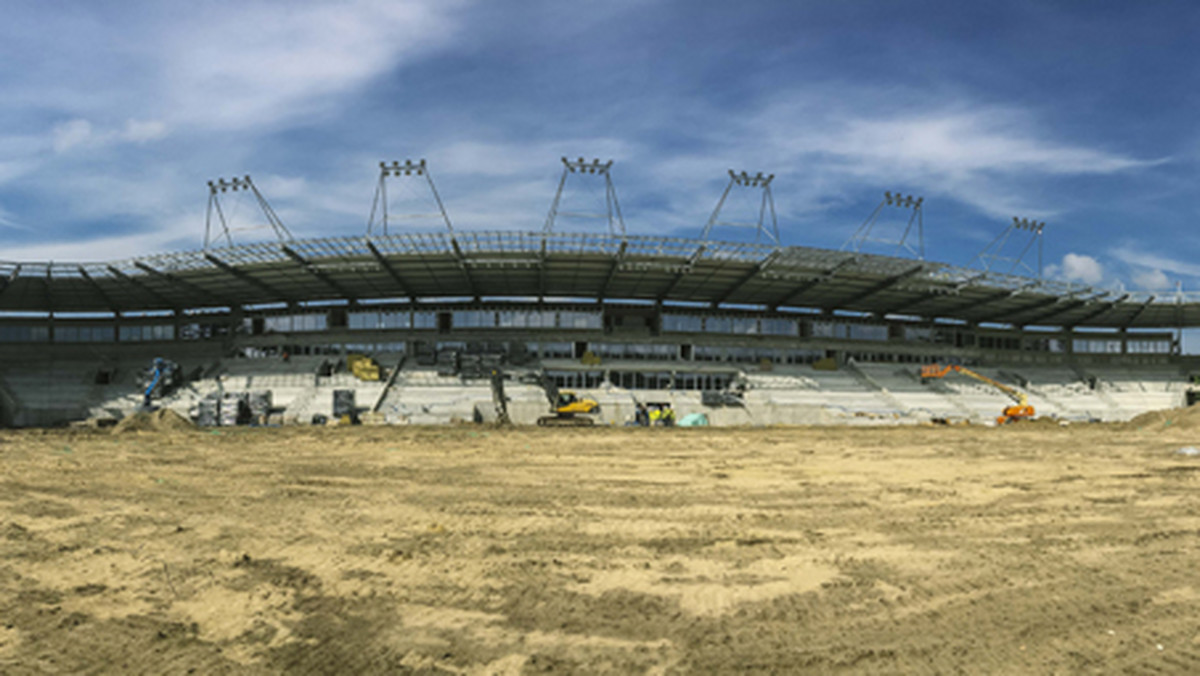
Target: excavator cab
[
  {"x": 567, "y": 409},
  {"x": 569, "y": 402},
  {"x": 1015, "y": 414}
]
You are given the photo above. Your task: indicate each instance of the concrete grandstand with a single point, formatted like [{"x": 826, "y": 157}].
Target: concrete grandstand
[{"x": 807, "y": 335}]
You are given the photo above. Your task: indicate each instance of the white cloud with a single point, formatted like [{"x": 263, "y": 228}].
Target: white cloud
[
  {"x": 1077, "y": 268},
  {"x": 1152, "y": 279},
  {"x": 979, "y": 155},
  {"x": 101, "y": 249},
  {"x": 141, "y": 131},
  {"x": 828, "y": 144},
  {"x": 79, "y": 133},
  {"x": 978, "y": 140},
  {"x": 256, "y": 63},
  {"x": 214, "y": 80},
  {"x": 1153, "y": 261},
  {"x": 8, "y": 221},
  {"x": 70, "y": 134}
]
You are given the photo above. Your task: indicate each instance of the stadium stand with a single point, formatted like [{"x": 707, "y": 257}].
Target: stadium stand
[{"x": 796, "y": 334}]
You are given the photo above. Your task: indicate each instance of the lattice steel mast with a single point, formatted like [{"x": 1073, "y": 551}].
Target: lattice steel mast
[
  {"x": 380, "y": 216},
  {"x": 766, "y": 207},
  {"x": 917, "y": 219},
  {"x": 220, "y": 186},
  {"x": 993, "y": 252},
  {"x": 612, "y": 214}
]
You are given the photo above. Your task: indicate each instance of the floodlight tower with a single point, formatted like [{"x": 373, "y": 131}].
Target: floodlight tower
[
  {"x": 917, "y": 218},
  {"x": 992, "y": 253},
  {"x": 220, "y": 186},
  {"x": 766, "y": 206},
  {"x": 616, "y": 223},
  {"x": 379, "y": 208}
]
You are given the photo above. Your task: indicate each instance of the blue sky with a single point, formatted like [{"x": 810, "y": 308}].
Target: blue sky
[{"x": 1082, "y": 114}]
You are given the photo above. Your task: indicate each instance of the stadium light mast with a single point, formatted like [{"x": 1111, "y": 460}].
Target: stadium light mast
[
  {"x": 612, "y": 214},
  {"x": 992, "y": 254},
  {"x": 221, "y": 186},
  {"x": 380, "y": 216},
  {"x": 917, "y": 218},
  {"x": 766, "y": 206}
]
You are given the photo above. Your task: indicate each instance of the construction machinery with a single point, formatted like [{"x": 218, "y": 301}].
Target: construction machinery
[
  {"x": 363, "y": 367},
  {"x": 159, "y": 380},
  {"x": 1021, "y": 410},
  {"x": 499, "y": 399},
  {"x": 567, "y": 409}
]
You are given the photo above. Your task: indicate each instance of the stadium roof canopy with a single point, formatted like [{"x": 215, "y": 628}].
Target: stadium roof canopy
[{"x": 499, "y": 264}]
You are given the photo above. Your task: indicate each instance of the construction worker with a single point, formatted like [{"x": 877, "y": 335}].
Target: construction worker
[
  {"x": 641, "y": 417},
  {"x": 656, "y": 416},
  {"x": 668, "y": 416}
]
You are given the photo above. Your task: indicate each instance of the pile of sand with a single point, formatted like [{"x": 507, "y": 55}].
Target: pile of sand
[
  {"x": 1042, "y": 422},
  {"x": 162, "y": 419},
  {"x": 1187, "y": 418}
]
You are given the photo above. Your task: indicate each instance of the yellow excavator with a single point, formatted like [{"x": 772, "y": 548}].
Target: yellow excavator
[
  {"x": 1022, "y": 410},
  {"x": 566, "y": 408}
]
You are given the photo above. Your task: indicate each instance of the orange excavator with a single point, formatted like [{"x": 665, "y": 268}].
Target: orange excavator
[{"x": 1022, "y": 410}]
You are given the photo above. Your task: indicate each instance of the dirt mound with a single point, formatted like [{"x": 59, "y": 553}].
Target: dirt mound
[
  {"x": 1187, "y": 418},
  {"x": 1041, "y": 422},
  {"x": 160, "y": 420}
]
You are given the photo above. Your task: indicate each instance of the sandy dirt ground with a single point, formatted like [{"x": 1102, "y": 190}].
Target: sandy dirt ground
[{"x": 469, "y": 550}]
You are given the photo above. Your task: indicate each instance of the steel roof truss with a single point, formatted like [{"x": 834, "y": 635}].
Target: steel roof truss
[
  {"x": 612, "y": 271},
  {"x": 48, "y": 291},
  {"x": 683, "y": 272},
  {"x": 1138, "y": 313},
  {"x": 1041, "y": 303},
  {"x": 542, "y": 270},
  {"x": 1061, "y": 307},
  {"x": 1096, "y": 313},
  {"x": 877, "y": 288},
  {"x": 137, "y": 283},
  {"x": 932, "y": 294},
  {"x": 387, "y": 267},
  {"x": 744, "y": 279},
  {"x": 996, "y": 297},
  {"x": 243, "y": 276},
  {"x": 462, "y": 265},
  {"x": 100, "y": 291},
  {"x": 325, "y": 279},
  {"x": 185, "y": 286},
  {"x": 9, "y": 278},
  {"x": 804, "y": 287}
]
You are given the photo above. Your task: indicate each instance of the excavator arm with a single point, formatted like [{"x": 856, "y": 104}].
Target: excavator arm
[{"x": 1021, "y": 410}]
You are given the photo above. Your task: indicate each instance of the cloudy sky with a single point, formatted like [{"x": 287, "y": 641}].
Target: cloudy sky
[{"x": 114, "y": 115}]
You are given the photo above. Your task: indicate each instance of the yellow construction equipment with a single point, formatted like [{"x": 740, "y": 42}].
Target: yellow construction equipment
[
  {"x": 363, "y": 367},
  {"x": 1021, "y": 411},
  {"x": 566, "y": 408}
]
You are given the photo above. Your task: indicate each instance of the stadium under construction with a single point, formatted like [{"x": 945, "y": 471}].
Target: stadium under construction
[{"x": 742, "y": 332}]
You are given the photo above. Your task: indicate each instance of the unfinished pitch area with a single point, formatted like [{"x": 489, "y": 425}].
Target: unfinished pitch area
[{"x": 1027, "y": 549}]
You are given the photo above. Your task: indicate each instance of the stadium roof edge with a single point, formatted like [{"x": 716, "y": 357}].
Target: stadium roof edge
[{"x": 595, "y": 265}]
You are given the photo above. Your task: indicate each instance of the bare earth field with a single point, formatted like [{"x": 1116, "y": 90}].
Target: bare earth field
[{"x": 1027, "y": 549}]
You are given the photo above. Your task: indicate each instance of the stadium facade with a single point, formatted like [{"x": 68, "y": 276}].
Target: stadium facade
[{"x": 610, "y": 312}]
